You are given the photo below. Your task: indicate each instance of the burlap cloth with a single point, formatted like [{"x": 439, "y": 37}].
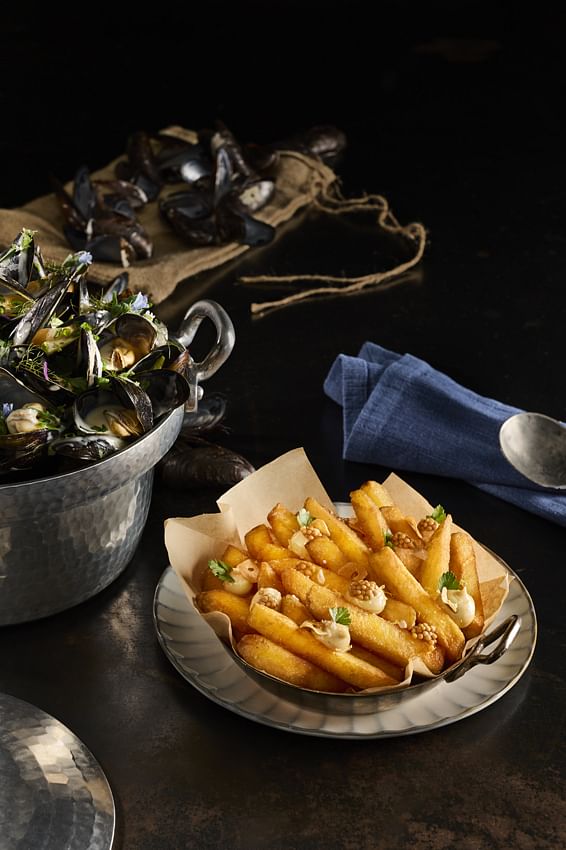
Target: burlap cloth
[{"x": 299, "y": 180}]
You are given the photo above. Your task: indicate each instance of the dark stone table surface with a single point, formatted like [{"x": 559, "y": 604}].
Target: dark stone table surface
[{"x": 455, "y": 116}]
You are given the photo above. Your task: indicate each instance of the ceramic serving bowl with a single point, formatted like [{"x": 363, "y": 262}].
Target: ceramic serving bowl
[{"x": 66, "y": 537}]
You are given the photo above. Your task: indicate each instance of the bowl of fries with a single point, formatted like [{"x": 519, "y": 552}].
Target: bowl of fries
[{"x": 343, "y": 608}]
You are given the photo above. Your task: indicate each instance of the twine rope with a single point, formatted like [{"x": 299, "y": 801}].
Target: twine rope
[{"x": 329, "y": 199}]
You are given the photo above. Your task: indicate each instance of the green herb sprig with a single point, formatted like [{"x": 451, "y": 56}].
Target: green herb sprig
[
  {"x": 220, "y": 569},
  {"x": 340, "y": 615}
]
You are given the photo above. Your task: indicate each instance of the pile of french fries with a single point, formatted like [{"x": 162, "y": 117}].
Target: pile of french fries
[{"x": 302, "y": 568}]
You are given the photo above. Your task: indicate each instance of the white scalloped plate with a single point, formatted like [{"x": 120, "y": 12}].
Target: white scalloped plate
[{"x": 198, "y": 655}]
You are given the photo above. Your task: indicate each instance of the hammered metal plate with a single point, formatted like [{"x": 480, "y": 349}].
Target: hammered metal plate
[{"x": 53, "y": 794}]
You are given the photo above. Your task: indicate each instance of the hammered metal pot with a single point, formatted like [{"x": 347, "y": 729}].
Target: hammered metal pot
[{"x": 65, "y": 538}]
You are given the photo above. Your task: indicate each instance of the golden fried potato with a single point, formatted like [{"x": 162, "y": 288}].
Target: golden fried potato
[
  {"x": 369, "y": 630},
  {"x": 232, "y": 556},
  {"x": 235, "y": 607},
  {"x": 268, "y": 577},
  {"x": 343, "y": 536},
  {"x": 399, "y": 612},
  {"x": 271, "y": 658},
  {"x": 398, "y": 523},
  {"x": 261, "y": 546},
  {"x": 370, "y": 519},
  {"x": 286, "y": 633},
  {"x": 283, "y": 522},
  {"x": 387, "y": 569},
  {"x": 412, "y": 561},
  {"x": 437, "y": 559},
  {"x": 463, "y": 565},
  {"x": 388, "y": 668},
  {"x": 293, "y": 608},
  {"x": 323, "y": 551},
  {"x": 377, "y": 493}
]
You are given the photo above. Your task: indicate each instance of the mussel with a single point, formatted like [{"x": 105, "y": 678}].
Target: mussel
[{"x": 27, "y": 423}]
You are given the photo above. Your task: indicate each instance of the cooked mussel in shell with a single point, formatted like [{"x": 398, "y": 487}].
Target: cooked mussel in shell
[{"x": 27, "y": 423}]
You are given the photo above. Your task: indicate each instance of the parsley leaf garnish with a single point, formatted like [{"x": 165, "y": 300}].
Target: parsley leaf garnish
[
  {"x": 449, "y": 581},
  {"x": 388, "y": 539},
  {"x": 220, "y": 570},
  {"x": 304, "y": 517},
  {"x": 340, "y": 615},
  {"x": 438, "y": 514}
]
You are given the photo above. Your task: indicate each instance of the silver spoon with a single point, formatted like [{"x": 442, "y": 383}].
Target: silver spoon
[{"x": 535, "y": 444}]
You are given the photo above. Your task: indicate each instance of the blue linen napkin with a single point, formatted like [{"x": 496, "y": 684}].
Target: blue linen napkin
[{"x": 398, "y": 411}]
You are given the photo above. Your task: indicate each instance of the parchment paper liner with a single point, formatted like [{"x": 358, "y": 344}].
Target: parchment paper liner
[{"x": 290, "y": 479}]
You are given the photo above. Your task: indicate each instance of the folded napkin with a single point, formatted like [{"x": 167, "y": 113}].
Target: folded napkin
[{"x": 398, "y": 411}]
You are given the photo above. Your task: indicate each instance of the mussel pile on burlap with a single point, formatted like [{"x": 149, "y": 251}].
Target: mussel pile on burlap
[
  {"x": 219, "y": 185},
  {"x": 84, "y": 369}
]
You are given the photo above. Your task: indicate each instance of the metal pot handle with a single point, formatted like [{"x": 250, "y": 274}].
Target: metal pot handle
[
  {"x": 218, "y": 354},
  {"x": 505, "y": 632}
]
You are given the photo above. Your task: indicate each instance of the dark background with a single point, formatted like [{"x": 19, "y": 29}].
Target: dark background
[{"x": 455, "y": 113}]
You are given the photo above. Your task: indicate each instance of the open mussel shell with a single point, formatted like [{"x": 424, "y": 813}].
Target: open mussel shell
[
  {"x": 123, "y": 410},
  {"x": 20, "y": 450},
  {"x": 126, "y": 340},
  {"x": 166, "y": 389},
  {"x": 86, "y": 448},
  {"x": 16, "y": 263},
  {"x": 172, "y": 356},
  {"x": 234, "y": 224},
  {"x": 39, "y": 312},
  {"x": 256, "y": 194},
  {"x": 192, "y": 204}
]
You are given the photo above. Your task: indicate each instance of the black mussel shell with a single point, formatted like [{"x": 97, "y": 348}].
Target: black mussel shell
[
  {"x": 17, "y": 265},
  {"x": 109, "y": 190},
  {"x": 234, "y": 224},
  {"x": 262, "y": 158},
  {"x": 172, "y": 356},
  {"x": 86, "y": 448},
  {"x": 193, "y": 463},
  {"x": 122, "y": 397},
  {"x": 39, "y": 313},
  {"x": 191, "y": 204},
  {"x": 104, "y": 249},
  {"x": 19, "y": 451},
  {"x": 255, "y": 194},
  {"x": 119, "y": 285},
  {"x": 166, "y": 389},
  {"x": 76, "y": 221},
  {"x": 141, "y": 156},
  {"x": 84, "y": 198},
  {"x": 132, "y": 232},
  {"x": 199, "y": 232},
  {"x": 189, "y": 163}
]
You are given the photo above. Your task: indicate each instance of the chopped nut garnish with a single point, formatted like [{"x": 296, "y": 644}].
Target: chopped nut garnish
[
  {"x": 363, "y": 589},
  {"x": 400, "y": 540},
  {"x": 427, "y": 526},
  {"x": 424, "y": 631}
]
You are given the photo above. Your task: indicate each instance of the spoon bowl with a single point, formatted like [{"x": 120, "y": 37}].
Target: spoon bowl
[{"x": 535, "y": 445}]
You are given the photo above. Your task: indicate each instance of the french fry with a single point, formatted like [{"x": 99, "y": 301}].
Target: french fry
[
  {"x": 235, "y": 607},
  {"x": 323, "y": 551},
  {"x": 370, "y": 519},
  {"x": 369, "y": 630},
  {"x": 412, "y": 561},
  {"x": 399, "y": 612},
  {"x": 377, "y": 493},
  {"x": 437, "y": 559},
  {"x": 283, "y": 522},
  {"x": 283, "y": 631},
  {"x": 463, "y": 565},
  {"x": 343, "y": 536},
  {"x": 261, "y": 546},
  {"x": 293, "y": 608},
  {"x": 387, "y": 569},
  {"x": 268, "y": 577},
  {"x": 398, "y": 522},
  {"x": 388, "y": 668},
  {"x": 232, "y": 556},
  {"x": 265, "y": 655}
]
